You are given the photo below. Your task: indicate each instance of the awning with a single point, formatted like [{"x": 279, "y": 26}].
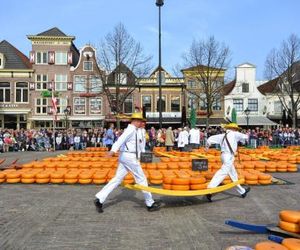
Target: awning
[
  {"x": 213, "y": 121},
  {"x": 258, "y": 120},
  {"x": 15, "y": 111}
]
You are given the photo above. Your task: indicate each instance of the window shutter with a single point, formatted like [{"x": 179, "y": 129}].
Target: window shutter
[
  {"x": 51, "y": 56},
  {"x": 32, "y": 86},
  {"x": 70, "y": 57},
  {"x": 32, "y": 56},
  {"x": 70, "y": 86}
]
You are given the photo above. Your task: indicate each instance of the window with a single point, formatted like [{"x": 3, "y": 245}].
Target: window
[
  {"x": 79, "y": 106},
  {"x": 41, "y": 105},
  {"x": 203, "y": 102},
  {"x": 253, "y": 104},
  {"x": 41, "y": 82},
  {"x": 192, "y": 101},
  {"x": 146, "y": 103},
  {"x": 95, "y": 106},
  {"x": 4, "y": 92},
  {"x": 21, "y": 92},
  {"x": 121, "y": 78},
  {"x": 62, "y": 104},
  {"x": 88, "y": 66},
  {"x": 1, "y": 61},
  {"x": 41, "y": 57},
  {"x": 278, "y": 107},
  {"x": 95, "y": 84},
  {"x": 163, "y": 103},
  {"x": 79, "y": 83},
  {"x": 238, "y": 104},
  {"x": 61, "y": 58},
  {"x": 128, "y": 105},
  {"x": 175, "y": 104},
  {"x": 245, "y": 87},
  {"x": 191, "y": 84},
  {"x": 217, "y": 105},
  {"x": 61, "y": 82}
]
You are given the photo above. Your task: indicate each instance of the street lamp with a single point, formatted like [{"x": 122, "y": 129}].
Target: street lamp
[
  {"x": 247, "y": 113},
  {"x": 66, "y": 112},
  {"x": 159, "y": 4}
]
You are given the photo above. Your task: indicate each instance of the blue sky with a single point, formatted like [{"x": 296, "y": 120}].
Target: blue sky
[{"x": 251, "y": 28}]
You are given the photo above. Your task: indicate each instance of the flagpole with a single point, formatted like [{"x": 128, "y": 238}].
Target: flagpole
[{"x": 54, "y": 115}]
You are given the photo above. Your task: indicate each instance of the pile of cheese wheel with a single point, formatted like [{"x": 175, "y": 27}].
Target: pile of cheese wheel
[
  {"x": 290, "y": 221},
  {"x": 286, "y": 244}
]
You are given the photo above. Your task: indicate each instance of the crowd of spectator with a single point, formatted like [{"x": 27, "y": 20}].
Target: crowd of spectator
[{"x": 79, "y": 139}]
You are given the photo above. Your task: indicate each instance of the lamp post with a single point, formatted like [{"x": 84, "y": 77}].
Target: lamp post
[
  {"x": 247, "y": 113},
  {"x": 66, "y": 112},
  {"x": 159, "y": 4}
]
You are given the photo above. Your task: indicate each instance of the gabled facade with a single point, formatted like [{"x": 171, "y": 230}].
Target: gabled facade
[
  {"x": 242, "y": 93},
  {"x": 52, "y": 56},
  {"x": 88, "y": 101},
  {"x": 15, "y": 77}
]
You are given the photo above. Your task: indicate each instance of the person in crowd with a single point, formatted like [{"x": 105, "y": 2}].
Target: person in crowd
[
  {"x": 183, "y": 139},
  {"x": 194, "y": 135},
  {"x": 169, "y": 139},
  {"x": 229, "y": 146},
  {"x": 128, "y": 145},
  {"x": 109, "y": 137}
]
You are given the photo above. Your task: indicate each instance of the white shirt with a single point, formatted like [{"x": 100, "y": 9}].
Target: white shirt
[
  {"x": 183, "y": 138},
  {"x": 127, "y": 141},
  {"x": 194, "y": 136},
  {"x": 142, "y": 139},
  {"x": 233, "y": 138}
]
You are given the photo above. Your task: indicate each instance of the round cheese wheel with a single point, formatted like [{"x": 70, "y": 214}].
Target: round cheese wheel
[
  {"x": 290, "y": 227},
  {"x": 290, "y": 216},
  {"x": 57, "y": 181},
  {"x": 16, "y": 180},
  {"x": 199, "y": 186},
  {"x": 28, "y": 181},
  {"x": 2, "y": 180},
  {"x": 291, "y": 243},
  {"x": 251, "y": 182},
  {"x": 71, "y": 181},
  {"x": 181, "y": 187},
  {"x": 99, "y": 181},
  {"x": 197, "y": 180},
  {"x": 265, "y": 182},
  {"x": 181, "y": 181},
  {"x": 156, "y": 182},
  {"x": 85, "y": 181},
  {"x": 167, "y": 186},
  {"x": 42, "y": 181},
  {"x": 268, "y": 245}
]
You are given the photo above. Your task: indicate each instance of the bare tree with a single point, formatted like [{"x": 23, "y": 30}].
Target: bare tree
[
  {"x": 124, "y": 62},
  {"x": 209, "y": 60},
  {"x": 283, "y": 66}
]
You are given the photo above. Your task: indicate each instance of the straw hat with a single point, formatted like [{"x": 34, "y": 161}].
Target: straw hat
[
  {"x": 137, "y": 116},
  {"x": 232, "y": 125}
]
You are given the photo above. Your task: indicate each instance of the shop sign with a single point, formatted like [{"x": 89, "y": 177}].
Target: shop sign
[{"x": 3, "y": 105}]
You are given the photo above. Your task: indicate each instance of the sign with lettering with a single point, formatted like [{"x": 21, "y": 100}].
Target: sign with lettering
[
  {"x": 146, "y": 157},
  {"x": 3, "y": 105},
  {"x": 199, "y": 164}
]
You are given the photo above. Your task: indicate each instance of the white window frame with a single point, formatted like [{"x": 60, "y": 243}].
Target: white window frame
[
  {"x": 175, "y": 96},
  {"x": 218, "y": 100},
  {"x": 4, "y": 90},
  {"x": 121, "y": 78},
  {"x": 98, "y": 112},
  {"x": 84, "y": 62},
  {"x": 41, "y": 82},
  {"x": 42, "y": 53},
  {"x": 156, "y": 103},
  {"x": 130, "y": 97},
  {"x": 1, "y": 61},
  {"x": 278, "y": 107},
  {"x": 60, "y": 55},
  {"x": 85, "y": 83},
  {"x": 62, "y": 84},
  {"x": 41, "y": 106},
  {"x": 151, "y": 101},
  {"x": 62, "y": 104},
  {"x": 74, "y": 105},
  {"x": 236, "y": 99},
  {"x": 249, "y": 104},
  {"x": 99, "y": 84},
  {"x": 22, "y": 92}
]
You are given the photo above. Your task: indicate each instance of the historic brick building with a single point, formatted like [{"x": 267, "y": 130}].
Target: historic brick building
[
  {"x": 15, "y": 77},
  {"x": 52, "y": 56}
]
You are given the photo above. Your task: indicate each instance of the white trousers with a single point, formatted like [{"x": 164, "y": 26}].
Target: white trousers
[
  {"x": 226, "y": 169},
  {"x": 127, "y": 163}
]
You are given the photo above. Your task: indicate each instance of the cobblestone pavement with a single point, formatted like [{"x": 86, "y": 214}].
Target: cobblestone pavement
[{"x": 64, "y": 216}]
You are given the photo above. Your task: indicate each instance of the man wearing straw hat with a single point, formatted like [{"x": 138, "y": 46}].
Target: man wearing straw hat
[
  {"x": 229, "y": 144},
  {"x": 128, "y": 145}
]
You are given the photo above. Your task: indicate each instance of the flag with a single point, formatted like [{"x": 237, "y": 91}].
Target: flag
[{"x": 54, "y": 107}]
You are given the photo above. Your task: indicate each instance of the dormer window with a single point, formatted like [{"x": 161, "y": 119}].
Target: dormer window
[
  {"x": 245, "y": 87},
  {"x": 1, "y": 61}
]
